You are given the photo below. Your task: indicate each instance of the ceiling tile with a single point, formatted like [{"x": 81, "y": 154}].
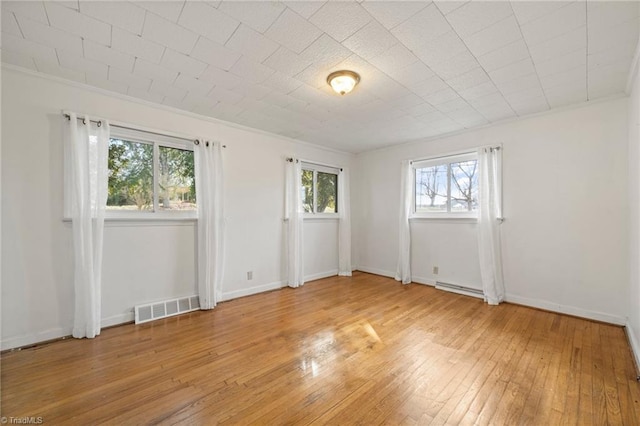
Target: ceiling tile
[
  {"x": 167, "y": 9},
  {"x": 531, "y": 106},
  {"x": 525, "y": 82},
  {"x": 420, "y": 109},
  {"x": 564, "y": 95},
  {"x": 397, "y": 56},
  {"x": 251, "y": 71},
  {"x": 448, "y": 6},
  {"x": 129, "y": 79},
  {"x": 340, "y": 19},
  {"x": 475, "y": 16},
  {"x": 251, "y": 44},
  {"x": 28, "y": 48},
  {"x": 304, "y": 8},
  {"x": 371, "y": 40},
  {"x": 212, "y": 53},
  {"x": 513, "y": 71},
  {"x": 621, "y": 52},
  {"x": 124, "y": 15},
  {"x": 145, "y": 95},
  {"x": 219, "y": 77},
  {"x": 504, "y": 56},
  {"x": 429, "y": 86},
  {"x": 18, "y": 59},
  {"x": 422, "y": 27},
  {"x": 468, "y": 117},
  {"x": 469, "y": 79},
  {"x": 107, "y": 84},
  {"x": 221, "y": 94},
  {"x": 564, "y": 78},
  {"x": 132, "y": 44},
  {"x": 78, "y": 63},
  {"x": 50, "y": 36},
  {"x": 27, "y": 9},
  {"x": 478, "y": 91},
  {"x": 293, "y": 31},
  {"x": 564, "y": 63},
  {"x": 559, "y": 46},
  {"x": 527, "y": 11},
  {"x": 452, "y": 105},
  {"x": 441, "y": 97},
  {"x": 78, "y": 24},
  {"x": 192, "y": 85},
  {"x": 488, "y": 100},
  {"x": 325, "y": 52},
  {"x": 259, "y": 15},
  {"x": 156, "y": 72},
  {"x": 603, "y": 15},
  {"x": 411, "y": 74},
  {"x": 406, "y": 102},
  {"x": 455, "y": 66},
  {"x": 494, "y": 37},
  {"x": 603, "y": 39},
  {"x": 58, "y": 71},
  {"x": 282, "y": 83},
  {"x": 441, "y": 48},
  {"x": 390, "y": 14},
  {"x": 161, "y": 88},
  {"x": 168, "y": 34},
  {"x": 184, "y": 64},
  {"x": 287, "y": 62},
  {"x": 207, "y": 21},
  {"x": 10, "y": 25},
  {"x": 497, "y": 112},
  {"x": 252, "y": 91},
  {"x": 107, "y": 55},
  {"x": 554, "y": 24}
]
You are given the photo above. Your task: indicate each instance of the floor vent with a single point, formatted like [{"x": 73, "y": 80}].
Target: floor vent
[
  {"x": 455, "y": 288},
  {"x": 167, "y": 308}
]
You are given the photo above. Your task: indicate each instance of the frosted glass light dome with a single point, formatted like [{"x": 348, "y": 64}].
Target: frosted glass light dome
[{"x": 343, "y": 81}]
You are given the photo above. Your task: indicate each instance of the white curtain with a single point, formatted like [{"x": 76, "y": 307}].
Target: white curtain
[
  {"x": 489, "y": 220},
  {"x": 344, "y": 224},
  {"x": 294, "y": 215},
  {"x": 209, "y": 198},
  {"x": 86, "y": 157},
  {"x": 403, "y": 271}
]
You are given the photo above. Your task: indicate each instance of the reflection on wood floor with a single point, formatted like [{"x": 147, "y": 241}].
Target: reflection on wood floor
[{"x": 340, "y": 350}]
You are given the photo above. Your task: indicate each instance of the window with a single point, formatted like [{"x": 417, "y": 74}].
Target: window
[
  {"x": 150, "y": 173},
  {"x": 319, "y": 189},
  {"x": 446, "y": 186}
]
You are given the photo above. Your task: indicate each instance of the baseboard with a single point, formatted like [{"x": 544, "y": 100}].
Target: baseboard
[
  {"x": 32, "y": 339},
  {"x": 252, "y": 290},
  {"x": 565, "y": 309},
  {"x": 635, "y": 349},
  {"x": 117, "y": 319},
  {"x": 422, "y": 280},
  {"x": 321, "y": 275},
  {"x": 377, "y": 271}
]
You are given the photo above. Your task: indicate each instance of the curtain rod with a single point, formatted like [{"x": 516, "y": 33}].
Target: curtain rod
[
  {"x": 99, "y": 123},
  {"x": 290, "y": 160}
]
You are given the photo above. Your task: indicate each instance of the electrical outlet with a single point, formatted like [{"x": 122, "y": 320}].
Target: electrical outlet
[
  {"x": 435, "y": 270},
  {"x": 250, "y": 275}
]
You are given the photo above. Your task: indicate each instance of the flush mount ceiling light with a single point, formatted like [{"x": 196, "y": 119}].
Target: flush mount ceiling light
[{"x": 343, "y": 81}]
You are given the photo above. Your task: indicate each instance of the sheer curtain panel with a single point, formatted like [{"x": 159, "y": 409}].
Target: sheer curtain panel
[
  {"x": 344, "y": 224},
  {"x": 86, "y": 168},
  {"x": 489, "y": 220},
  {"x": 295, "y": 230},
  {"x": 209, "y": 198},
  {"x": 403, "y": 272}
]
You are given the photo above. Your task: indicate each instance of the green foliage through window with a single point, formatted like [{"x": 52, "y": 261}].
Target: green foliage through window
[{"x": 319, "y": 191}]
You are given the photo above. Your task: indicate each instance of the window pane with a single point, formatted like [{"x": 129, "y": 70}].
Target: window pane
[
  {"x": 130, "y": 175},
  {"x": 307, "y": 190},
  {"x": 176, "y": 183},
  {"x": 464, "y": 186},
  {"x": 327, "y": 192},
  {"x": 431, "y": 189}
]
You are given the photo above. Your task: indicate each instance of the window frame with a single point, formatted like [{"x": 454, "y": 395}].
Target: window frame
[
  {"x": 315, "y": 168},
  {"x": 443, "y": 160},
  {"x": 156, "y": 140}
]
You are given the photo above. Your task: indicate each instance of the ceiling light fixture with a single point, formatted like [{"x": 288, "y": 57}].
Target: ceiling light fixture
[{"x": 343, "y": 81}]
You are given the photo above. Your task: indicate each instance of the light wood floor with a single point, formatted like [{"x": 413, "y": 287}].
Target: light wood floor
[{"x": 362, "y": 350}]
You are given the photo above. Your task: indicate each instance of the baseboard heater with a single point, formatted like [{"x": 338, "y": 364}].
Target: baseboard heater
[
  {"x": 166, "y": 308},
  {"x": 455, "y": 288}
]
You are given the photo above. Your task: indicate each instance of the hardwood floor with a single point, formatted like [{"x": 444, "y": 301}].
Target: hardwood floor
[{"x": 362, "y": 350}]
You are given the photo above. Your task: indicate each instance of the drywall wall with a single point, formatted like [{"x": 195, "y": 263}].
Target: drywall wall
[
  {"x": 633, "y": 326},
  {"x": 142, "y": 261},
  {"x": 565, "y": 243}
]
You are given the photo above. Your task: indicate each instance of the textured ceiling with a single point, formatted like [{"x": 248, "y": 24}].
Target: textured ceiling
[{"x": 427, "y": 68}]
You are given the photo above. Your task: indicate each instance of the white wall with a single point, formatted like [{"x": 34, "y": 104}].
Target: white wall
[
  {"x": 634, "y": 214},
  {"x": 142, "y": 263},
  {"x": 565, "y": 238}
]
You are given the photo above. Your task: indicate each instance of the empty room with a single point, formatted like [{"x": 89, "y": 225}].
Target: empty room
[{"x": 320, "y": 212}]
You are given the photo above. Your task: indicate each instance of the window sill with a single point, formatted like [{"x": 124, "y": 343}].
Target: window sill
[
  {"x": 143, "y": 219},
  {"x": 314, "y": 217},
  {"x": 452, "y": 219}
]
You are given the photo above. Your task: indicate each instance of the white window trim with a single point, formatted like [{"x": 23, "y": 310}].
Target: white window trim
[
  {"x": 325, "y": 168},
  {"x": 466, "y": 216},
  {"x": 157, "y": 140}
]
